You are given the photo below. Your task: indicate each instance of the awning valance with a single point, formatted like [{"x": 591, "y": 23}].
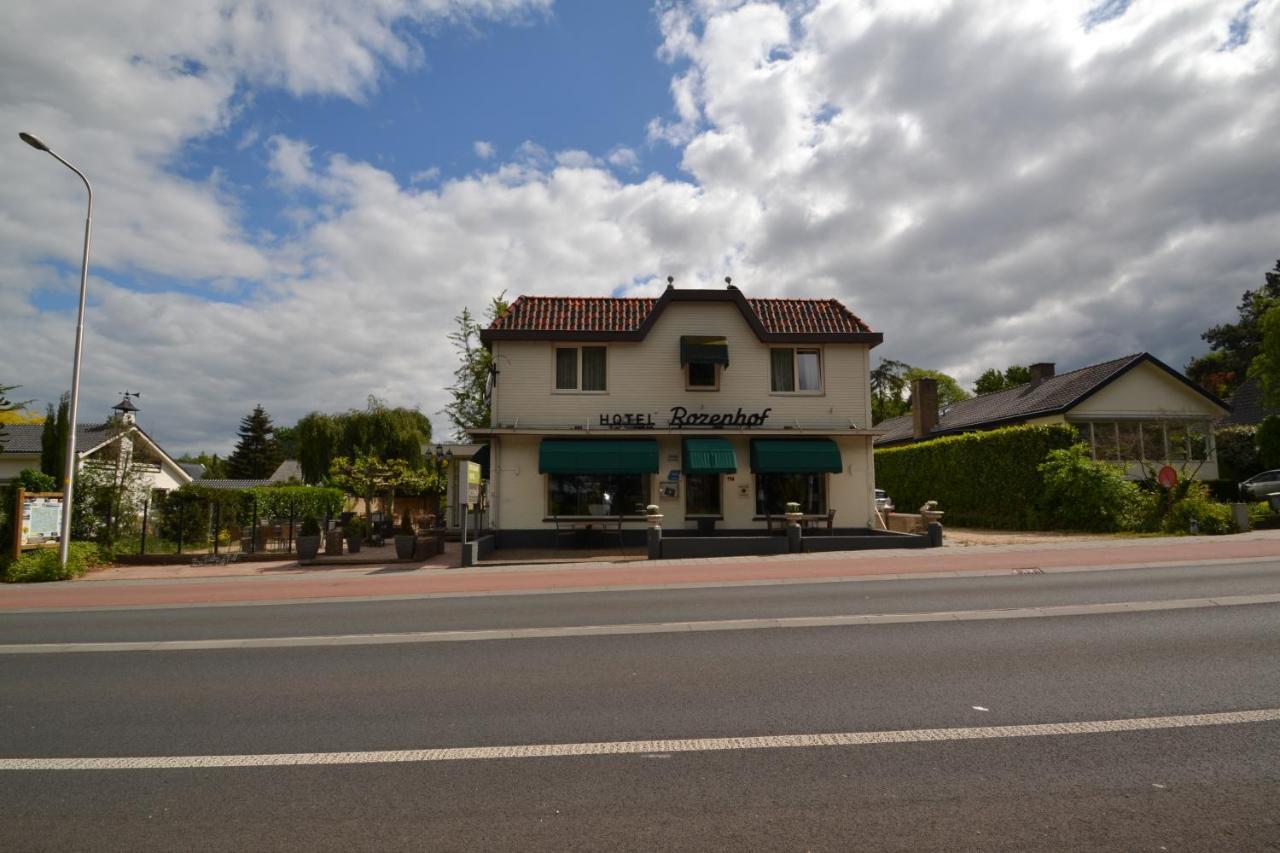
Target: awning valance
[
  {"x": 598, "y": 456},
  {"x": 709, "y": 456},
  {"x": 795, "y": 456},
  {"x": 706, "y": 349}
]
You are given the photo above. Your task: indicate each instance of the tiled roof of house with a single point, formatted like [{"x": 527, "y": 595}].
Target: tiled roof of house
[
  {"x": 1246, "y": 406},
  {"x": 233, "y": 484},
  {"x": 1051, "y": 396},
  {"x": 25, "y": 438},
  {"x": 610, "y": 314}
]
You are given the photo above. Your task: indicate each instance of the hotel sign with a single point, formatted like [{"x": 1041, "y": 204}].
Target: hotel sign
[{"x": 682, "y": 418}]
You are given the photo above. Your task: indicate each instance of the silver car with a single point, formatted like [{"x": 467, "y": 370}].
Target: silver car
[
  {"x": 883, "y": 501},
  {"x": 1259, "y": 486}
]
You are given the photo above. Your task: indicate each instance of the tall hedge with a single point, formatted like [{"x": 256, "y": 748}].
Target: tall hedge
[{"x": 981, "y": 479}]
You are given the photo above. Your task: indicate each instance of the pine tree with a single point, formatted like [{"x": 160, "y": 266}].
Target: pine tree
[
  {"x": 53, "y": 439},
  {"x": 257, "y": 454}
]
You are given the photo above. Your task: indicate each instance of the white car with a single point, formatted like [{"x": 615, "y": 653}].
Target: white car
[{"x": 883, "y": 501}]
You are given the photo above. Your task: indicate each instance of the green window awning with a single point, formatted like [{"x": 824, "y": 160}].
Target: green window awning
[
  {"x": 706, "y": 349},
  {"x": 598, "y": 456},
  {"x": 709, "y": 456},
  {"x": 795, "y": 456}
]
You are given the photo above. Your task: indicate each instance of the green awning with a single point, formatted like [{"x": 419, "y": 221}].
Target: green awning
[
  {"x": 709, "y": 456},
  {"x": 598, "y": 456},
  {"x": 704, "y": 350},
  {"x": 795, "y": 456}
]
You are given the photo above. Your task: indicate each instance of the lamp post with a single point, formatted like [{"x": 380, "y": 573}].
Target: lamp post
[{"x": 68, "y": 479}]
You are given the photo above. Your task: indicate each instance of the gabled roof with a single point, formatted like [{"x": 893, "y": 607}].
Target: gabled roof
[
  {"x": 233, "y": 484},
  {"x": 25, "y": 438},
  {"x": 1246, "y": 406},
  {"x": 1052, "y": 396},
  {"x": 574, "y": 318}
]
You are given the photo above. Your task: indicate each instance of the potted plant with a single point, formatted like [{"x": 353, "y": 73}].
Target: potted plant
[
  {"x": 653, "y": 515},
  {"x": 406, "y": 539},
  {"x": 308, "y": 539},
  {"x": 355, "y": 531},
  {"x": 793, "y": 512}
]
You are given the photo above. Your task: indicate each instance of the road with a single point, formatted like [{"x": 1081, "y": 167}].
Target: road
[{"x": 347, "y": 729}]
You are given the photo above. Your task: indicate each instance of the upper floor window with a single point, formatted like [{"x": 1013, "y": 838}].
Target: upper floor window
[
  {"x": 795, "y": 369},
  {"x": 580, "y": 368},
  {"x": 702, "y": 377}
]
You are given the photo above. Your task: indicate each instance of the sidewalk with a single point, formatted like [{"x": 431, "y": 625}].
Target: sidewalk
[{"x": 290, "y": 583}]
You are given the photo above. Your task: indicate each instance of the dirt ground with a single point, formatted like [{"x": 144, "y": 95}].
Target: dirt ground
[{"x": 965, "y": 536}]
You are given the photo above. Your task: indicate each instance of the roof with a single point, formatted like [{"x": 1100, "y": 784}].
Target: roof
[
  {"x": 619, "y": 318},
  {"x": 287, "y": 470},
  {"x": 1246, "y": 406},
  {"x": 1051, "y": 396},
  {"x": 233, "y": 484},
  {"x": 194, "y": 470},
  {"x": 25, "y": 438}
]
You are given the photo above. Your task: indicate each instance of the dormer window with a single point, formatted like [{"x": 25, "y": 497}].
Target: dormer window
[
  {"x": 703, "y": 357},
  {"x": 580, "y": 368},
  {"x": 702, "y": 377}
]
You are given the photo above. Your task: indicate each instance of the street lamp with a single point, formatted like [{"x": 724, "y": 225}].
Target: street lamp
[{"x": 70, "y": 470}]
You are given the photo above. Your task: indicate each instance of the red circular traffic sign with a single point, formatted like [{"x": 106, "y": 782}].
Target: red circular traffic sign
[{"x": 1168, "y": 478}]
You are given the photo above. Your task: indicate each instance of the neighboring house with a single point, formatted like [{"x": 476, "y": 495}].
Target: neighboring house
[
  {"x": 717, "y": 408},
  {"x": 1246, "y": 406},
  {"x": 1128, "y": 410},
  {"x": 95, "y": 441},
  {"x": 288, "y": 471}
]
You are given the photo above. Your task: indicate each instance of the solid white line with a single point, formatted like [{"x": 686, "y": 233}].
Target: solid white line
[
  {"x": 640, "y": 747},
  {"x": 750, "y": 624}
]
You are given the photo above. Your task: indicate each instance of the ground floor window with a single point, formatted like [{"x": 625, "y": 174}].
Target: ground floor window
[
  {"x": 775, "y": 491},
  {"x": 597, "y": 494},
  {"x": 1149, "y": 441},
  {"x": 702, "y": 494}
]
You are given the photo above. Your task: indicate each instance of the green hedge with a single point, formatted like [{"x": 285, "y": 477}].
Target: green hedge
[{"x": 982, "y": 479}]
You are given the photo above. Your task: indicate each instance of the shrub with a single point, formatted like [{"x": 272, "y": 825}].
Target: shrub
[
  {"x": 1211, "y": 517},
  {"x": 356, "y": 528},
  {"x": 1268, "y": 441},
  {"x": 310, "y": 526},
  {"x": 982, "y": 479},
  {"x": 1237, "y": 453},
  {"x": 42, "y": 565},
  {"x": 1081, "y": 494},
  {"x": 406, "y": 525}
]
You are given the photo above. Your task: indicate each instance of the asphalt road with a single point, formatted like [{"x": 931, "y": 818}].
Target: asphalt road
[{"x": 1198, "y": 787}]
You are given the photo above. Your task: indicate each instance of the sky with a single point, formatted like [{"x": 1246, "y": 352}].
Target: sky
[{"x": 293, "y": 200}]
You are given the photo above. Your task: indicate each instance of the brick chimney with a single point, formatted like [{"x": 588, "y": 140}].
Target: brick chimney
[
  {"x": 1041, "y": 371},
  {"x": 924, "y": 406}
]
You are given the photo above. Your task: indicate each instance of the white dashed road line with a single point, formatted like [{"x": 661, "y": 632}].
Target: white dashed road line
[
  {"x": 753, "y": 624},
  {"x": 640, "y": 747}
]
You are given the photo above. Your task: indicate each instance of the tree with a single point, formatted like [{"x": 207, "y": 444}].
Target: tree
[
  {"x": 1234, "y": 346},
  {"x": 287, "y": 438},
  {"x": 257, "y": 454},
  {"x": 215, "y": 468},
  {"x": 888, "y": 382},
  {"x": 365, "y": 476},
  {"x": 379, "y": 431},
  {"x": 1265, "y": 366},
  {"x": 15, "y": 413},
  {"x": 469, "y": 406},
  {"x": 1268, "y": 439},
  {"x": 992, "y": 380},
  {"x": 6, "y": 407},
  {"x": 53, "y": 439},
  {"x": 949, "y": 390}
]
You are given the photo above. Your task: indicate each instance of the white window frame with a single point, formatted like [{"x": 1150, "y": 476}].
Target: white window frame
[
  {"x": 795, "y": 371},
  {"x": 577, "y": 389}
]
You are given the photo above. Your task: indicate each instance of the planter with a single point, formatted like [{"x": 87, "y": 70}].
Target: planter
[
  {"x": 654, "y": 520},
  {"x": 353, "y": 544},
  {"x": 308, "y": 547},
  {"x": 793, "y": 518},
  {"x": 405, "y": 545}
]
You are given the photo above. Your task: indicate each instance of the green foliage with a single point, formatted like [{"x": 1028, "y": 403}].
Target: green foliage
[
  {"x": 356, "y": 528},
  {"x": 949, "y": 390},
  {"x": 982, "y": 479},
  {"x": 1212, "y": 518},
  {"x": 53, "y": 440},
  {"x": 310, "y": 526},
  {"x": 888, "y": 385},
  {"x": 1265, "y": 366},
  {"x": 406, "y": 525},
  {"x": 993, "y": 380},
  {"x": 191, "y": 510},
  {"x": 1081, "y": 494},
  {"x": 469, "y": 404},
  {"x": 28, "y": 480},
  {"x": 1268, "y": 438},
  {"x": 215, "y": 468},
  {"x": 1238, "y": 457},
  {"x": 43, "y": 564},
  {"x": 295, "y": 501},
  {"x": 1234, "y": 346},
  {"x": 257, "y": 453},
  {"x": 379, "y": 431}
]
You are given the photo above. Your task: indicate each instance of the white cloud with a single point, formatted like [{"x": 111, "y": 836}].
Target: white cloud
[
  {"x": 484, "y": 150},
  {"x": 984, "y": 182}
]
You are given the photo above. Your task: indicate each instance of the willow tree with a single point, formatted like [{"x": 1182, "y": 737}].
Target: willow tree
[{"x": 379, "y": 432}]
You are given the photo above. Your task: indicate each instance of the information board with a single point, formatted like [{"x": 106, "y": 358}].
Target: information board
[
  {"x": 472, "y": 474},
  {"x": 39, "y": 519}
]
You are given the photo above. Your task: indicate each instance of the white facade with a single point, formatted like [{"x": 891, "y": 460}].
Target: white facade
[{"x": 647, "y": 397}]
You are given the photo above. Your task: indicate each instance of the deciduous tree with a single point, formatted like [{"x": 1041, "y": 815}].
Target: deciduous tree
[
  {"x": 1234, "y": 346},
  {"x": 472, "y": 380}
]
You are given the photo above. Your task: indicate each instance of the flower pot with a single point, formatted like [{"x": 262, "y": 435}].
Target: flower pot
[
  {"x": 308, "y": 547},
  {"x": 353, "y": 544},
  {"x": 405, "y": 543}
]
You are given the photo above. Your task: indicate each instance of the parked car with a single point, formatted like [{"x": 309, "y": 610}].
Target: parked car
[
  {"x": 883, "y": 501},
  {"x": 1259, "y": 486}
]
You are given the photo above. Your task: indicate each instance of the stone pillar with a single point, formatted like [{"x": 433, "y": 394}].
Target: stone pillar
[
  {"x": 795, "y": 539},
  {"x": 655, "y": 541},
  {"x": 1240, "y": 515},
  {"x": 935, "y": 534}
]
